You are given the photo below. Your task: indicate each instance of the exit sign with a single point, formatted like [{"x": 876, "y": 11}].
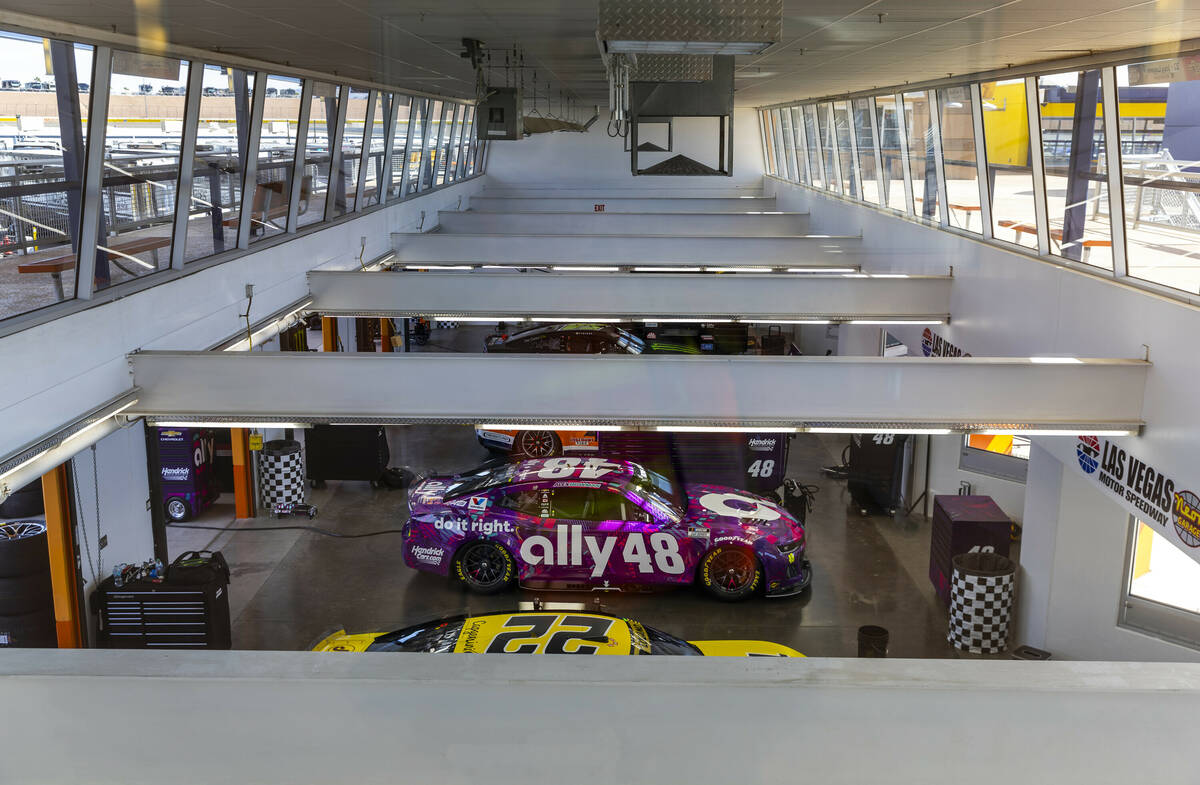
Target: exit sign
[{"x": 597, "y": 208}]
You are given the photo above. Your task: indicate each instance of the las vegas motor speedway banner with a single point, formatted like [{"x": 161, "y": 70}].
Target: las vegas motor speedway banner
[{"x": 1170, "y": 504}]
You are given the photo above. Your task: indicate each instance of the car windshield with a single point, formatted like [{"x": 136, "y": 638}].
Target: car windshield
[
  {"x": 481, "y": 479},
  {"x": 659, "y": 492},
  {"x": 436, "y": 637},
  {"x": 629, "y": 342},
  {"x": 662, "y": 643}
]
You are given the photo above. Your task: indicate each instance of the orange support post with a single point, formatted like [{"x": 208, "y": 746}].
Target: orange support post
[
  {"x": 385, "y": 335},
  {"x": 329, "y": 335},
  {"x": 60, "y": 539},
  {"x": 243, "y": 488}
]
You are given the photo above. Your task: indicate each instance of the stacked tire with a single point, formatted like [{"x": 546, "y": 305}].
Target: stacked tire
[{"x": 26, "y": 602}]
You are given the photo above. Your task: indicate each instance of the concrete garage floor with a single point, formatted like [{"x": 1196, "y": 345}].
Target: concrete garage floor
[{"x": 289, "y": 587}]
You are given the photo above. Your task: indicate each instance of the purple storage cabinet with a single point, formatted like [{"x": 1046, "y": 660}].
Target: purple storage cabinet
[
  {"x": 186, "y": 476},
  {"x": 961, "y": 523}
]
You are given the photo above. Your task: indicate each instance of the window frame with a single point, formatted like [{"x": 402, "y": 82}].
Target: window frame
[{"x": 1150, "y": 617}]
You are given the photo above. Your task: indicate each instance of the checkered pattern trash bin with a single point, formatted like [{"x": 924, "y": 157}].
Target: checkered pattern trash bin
[
  {"x": 981, "y": 598},
  {"x": 281, "y": 473}
]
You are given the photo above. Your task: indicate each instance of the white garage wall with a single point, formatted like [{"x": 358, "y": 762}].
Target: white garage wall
[
  {"x": 1008, "y": 304},
  {"x": 599, "y": 161}
]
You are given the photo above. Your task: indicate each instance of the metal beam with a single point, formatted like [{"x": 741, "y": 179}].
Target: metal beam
[
  {"x": 298, "y": 165},
  {"x": 575, "y": 203},
  {"x": 187, "y": 158},
  {"x": 364, "y": 153},
  {"x": 643, "y": 295},
  {"x": 390, "y": 102},
  {"x": 870, "y": 392},
  {"x": 773, "y": 224},
  {"x": 621, "y": 249},
  {"x": 93, "y": 176},
  {"x": 336, "y": 184},
  {"x": 413, "y": 110},
  {"x": 250, "y": 162}
]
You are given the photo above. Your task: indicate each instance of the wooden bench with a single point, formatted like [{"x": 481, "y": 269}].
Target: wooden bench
[
  {"x": 56, "y": 261},
  {"x": 1055, "y": 235},
  {"x": 966, "y": 208},
  {"x": 263, "y": 212}
]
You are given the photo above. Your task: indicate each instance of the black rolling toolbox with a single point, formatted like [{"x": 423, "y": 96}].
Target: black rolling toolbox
[
  {"x": 878, "y": 471},
  {"x": 346, "y": 452},
  {"x": 188, "y": 610}
]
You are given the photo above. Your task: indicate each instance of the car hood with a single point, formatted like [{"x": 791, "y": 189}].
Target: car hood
[
  {"x": 744, "y": 649},
  {"x": 725, "y": 510}
]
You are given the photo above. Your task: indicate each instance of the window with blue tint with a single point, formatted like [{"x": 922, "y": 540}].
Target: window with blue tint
[
  {"x": 1160, "y": 170},
  {"x": 828, "y": 159},
  {"x": 922, "y": 163},
  {"x": 218, "y": 162},
  {"x": 147, "y": 95},
  {"x": 317, "y": 153},
  {"x": 891, "y": 153},
  {"x": 1072, "y": 122},
  {"x": 841, "y": 124},
  {"x": 861, "y": 111},
  {"x": 276, "y": 159},
  {"x": 1009, "y": 165},
  {"x": 958, "y": 158},
  {"x": 42, "y": 143}
]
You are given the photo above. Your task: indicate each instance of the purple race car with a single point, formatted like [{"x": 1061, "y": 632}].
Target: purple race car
[{"x": 594, "y": 523}]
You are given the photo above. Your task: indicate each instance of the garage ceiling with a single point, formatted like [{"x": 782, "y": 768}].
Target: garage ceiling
[{"x": 827, "y": 48}]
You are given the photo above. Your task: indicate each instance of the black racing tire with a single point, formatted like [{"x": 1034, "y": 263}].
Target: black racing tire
[
  {"x": 485, "y": 567},
  {"x": 25, "y": 502},
  {"x": 36, "y": 630},
  {"x": 730, "y": 574},
  {"x": 23, "y": 548},
  {"x": 25, "y": 594},
  {"x": 177, "y": 510},
  {"x": 536, "y": 444}
]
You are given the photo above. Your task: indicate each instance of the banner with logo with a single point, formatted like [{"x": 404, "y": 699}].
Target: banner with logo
[{"x": 1152, "y": 494}]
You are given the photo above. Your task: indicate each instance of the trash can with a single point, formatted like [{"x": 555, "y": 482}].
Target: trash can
[
  {"x": 281, "y": 473},
  {"x": 981, "y": 597},
  {"x": 872, "y": 641}
]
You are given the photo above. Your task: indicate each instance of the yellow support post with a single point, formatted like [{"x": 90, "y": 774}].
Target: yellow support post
[
  {"x": 60, "y": 540},
  {"x": 329, "y": 334},
  {"x": 243, "y": 488},
  {"x": 385, "y": 335}
]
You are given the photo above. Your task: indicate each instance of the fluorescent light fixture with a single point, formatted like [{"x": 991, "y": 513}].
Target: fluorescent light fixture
[
  {"x": 1056, "y": 360},
  {"x": 498, "y": 266},
  {"x": 99, "y": 421},
  {"x": 889, "y": 275},
  {"x": 566, "y": 319},
  {"x": 821, "y": 270},
  {"x": 786, "y": 321},
  {"x": 445, "y": 317},
  {"x": 724, "y": 429},
  {"x": 1052, "y": 432},
  {"x": 90, "y": 426},
  {"x": 585, "y": 269},
  {"x": 438, "y": 267},
  {"x": 856, "y": 275},
  {"x": 688, "y": 48},
  {"x": 738, "y": 269},
  {"x": 249, "y": 425},
  {"x": 894, "y": 321},
  {"x": 918, "y": 431},
  {"x": 550, "y": 427},
  {"x": 694, "y": 319},
  {"x": 668, "y": 269}
]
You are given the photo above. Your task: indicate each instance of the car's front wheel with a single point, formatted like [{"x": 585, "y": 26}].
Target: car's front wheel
[
  {"x": 485, "y": 567},
  {"x": 730, "y": 574},
  {"x": 536, "y": 444},
  {"x": 178, "y": 510}
]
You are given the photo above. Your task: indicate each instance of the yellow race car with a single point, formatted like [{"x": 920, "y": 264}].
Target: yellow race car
[{"x": 543, "y": 632}]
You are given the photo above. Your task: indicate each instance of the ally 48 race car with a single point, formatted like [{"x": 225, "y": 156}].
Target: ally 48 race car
[
  {"x": 595, "y": 523},
  {"x": 543, "y": 632}
]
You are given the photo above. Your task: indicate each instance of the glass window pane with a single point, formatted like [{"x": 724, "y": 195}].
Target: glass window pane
[
  {"x": 453, "y": 116},
  {"x": 276, "y": 159},
  {"x": 801, "y": 155},
  {"x": 814, "y": 146},
  {"x": 1162, "y": 572},
  {"x": 416, "y": 154},
  {"x": 958, "y": 158},
  {"x": 317, "y": 157},
  {"x": 141, "y": 166},
  {"x": 889, "y": 148},
  {"x": 432, "y": 138},
  {"x": 218, "y": 162},
  {"x": 400, "y": 145},
  {"x": 841, "y": 124},
  {"x": 789, "y": 143},
  {"x": 922, "y": 164},
  {"x": 1160, "y": 169},
  {"x": 345, "y": 181},
  {"x": 1010, "y": 172},
  {"x": 468, "y": 139},
  {"x": 823, "y": 126},
  {"x": 1072, "y": 125},
  {"x": 376, "y": 140},
  {"x": 470, "y": 144},
  {"x": 41, "y": 168},
  {"x": 866, "y": 149},
  {"x": 769, "y": 136}
]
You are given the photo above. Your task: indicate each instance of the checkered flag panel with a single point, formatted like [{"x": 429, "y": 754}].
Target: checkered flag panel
[
  {"x": 281, "y": 475},
  {"x": 445, "y": 325},
  {"x": 980, "y": 609}
]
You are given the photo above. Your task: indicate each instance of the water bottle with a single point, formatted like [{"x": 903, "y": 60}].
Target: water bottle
[
  {"x": 160, "y": 572},
  {"x": 119, "y": 575}
]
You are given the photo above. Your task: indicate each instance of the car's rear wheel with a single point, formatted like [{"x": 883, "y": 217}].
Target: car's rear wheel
[
  {"x": 178, "y": 510},
  {"x": 485, "y": 567},
  {"x": 536, "y": 444},
  {"x": 730, "y": 574}
]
